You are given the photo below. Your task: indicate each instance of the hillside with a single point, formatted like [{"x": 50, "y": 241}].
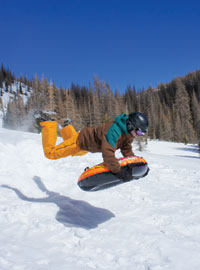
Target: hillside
[
  {"x": 8, "y": 94},
  {"x": 173, "y": 108}
]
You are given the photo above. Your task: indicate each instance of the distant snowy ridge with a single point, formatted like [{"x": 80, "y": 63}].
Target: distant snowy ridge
[{"x": 8, "y": 94}]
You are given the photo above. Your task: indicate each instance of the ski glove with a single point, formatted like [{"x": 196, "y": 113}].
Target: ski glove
[{"x": 125, "y": 174}]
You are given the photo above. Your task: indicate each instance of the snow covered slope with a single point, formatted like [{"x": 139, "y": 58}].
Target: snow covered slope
[{"x": 48, "y": 223}]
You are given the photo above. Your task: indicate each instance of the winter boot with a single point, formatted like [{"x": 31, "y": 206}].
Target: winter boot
[
  {"x": 41, "y": 116},
  {"x": 64, "y": 122}
]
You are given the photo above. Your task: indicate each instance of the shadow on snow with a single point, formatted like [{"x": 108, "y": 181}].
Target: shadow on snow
[
  {"x": 192, "y": 148},
  {"x": 188, "y": 156},
  {"x": 72, "y": 213}
]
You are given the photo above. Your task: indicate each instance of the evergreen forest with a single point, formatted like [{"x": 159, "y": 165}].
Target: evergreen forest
[{"x": 173, "y": 108}]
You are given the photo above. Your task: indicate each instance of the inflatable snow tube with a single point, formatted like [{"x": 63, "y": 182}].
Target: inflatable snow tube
[{"x": 100, "y": 177}]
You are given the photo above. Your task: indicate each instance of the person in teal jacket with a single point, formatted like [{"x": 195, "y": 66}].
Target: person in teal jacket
[{"x": 105, "y": 138}]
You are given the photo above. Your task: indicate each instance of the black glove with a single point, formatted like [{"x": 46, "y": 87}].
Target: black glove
[{"x": 125, "y": 174}]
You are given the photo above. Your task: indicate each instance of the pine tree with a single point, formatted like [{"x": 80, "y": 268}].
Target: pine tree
[
  {"x": 118, "y": 107},
  {"x": 95, "y": 112},
  {"x": 196, "y": 115},
  {"x": 183, "y": 113},
  {"x": 109, "y": 103},
  {"x": 1, "y": 104}
]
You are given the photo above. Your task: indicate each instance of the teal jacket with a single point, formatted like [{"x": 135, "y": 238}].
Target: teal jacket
[{"x": 116, "y": 130}]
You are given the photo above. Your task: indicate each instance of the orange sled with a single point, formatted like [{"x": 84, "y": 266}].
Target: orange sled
[{"x": 100, "y": 177}]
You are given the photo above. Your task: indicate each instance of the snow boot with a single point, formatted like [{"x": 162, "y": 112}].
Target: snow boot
[
  {"x": 41, "y": 116},
  {"x": 64, "y": 122}
]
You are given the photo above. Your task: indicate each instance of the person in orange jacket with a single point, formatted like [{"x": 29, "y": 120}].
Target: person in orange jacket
[{"x": 105, "y": 138}]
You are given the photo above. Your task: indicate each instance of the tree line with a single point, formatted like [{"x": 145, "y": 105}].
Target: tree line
[{"x": 173, "y": 108}]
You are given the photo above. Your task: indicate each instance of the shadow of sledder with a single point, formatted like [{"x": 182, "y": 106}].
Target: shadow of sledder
[{"x": 72, "y": 213}]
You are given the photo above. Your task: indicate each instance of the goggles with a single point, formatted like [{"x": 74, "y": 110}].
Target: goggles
[{"x": 139, "y": 132}]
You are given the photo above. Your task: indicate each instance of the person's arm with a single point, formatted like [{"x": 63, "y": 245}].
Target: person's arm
[
  {"x": 126, "y": 150},
  {"x": 108, "y": 153}
]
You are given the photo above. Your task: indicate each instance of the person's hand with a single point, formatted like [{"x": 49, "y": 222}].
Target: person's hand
[{"x": 125, "y": 174}]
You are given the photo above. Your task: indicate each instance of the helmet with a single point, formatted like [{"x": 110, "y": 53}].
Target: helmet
[{"x": 137, "y": 121}]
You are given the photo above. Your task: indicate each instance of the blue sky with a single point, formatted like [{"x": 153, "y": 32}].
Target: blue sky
[{"x": 124, "y": 42}]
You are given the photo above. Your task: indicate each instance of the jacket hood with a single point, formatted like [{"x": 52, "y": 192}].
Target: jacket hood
[{"x": 120, "y": 120}]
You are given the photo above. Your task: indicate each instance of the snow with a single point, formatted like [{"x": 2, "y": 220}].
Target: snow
[
  {"x": 12, "y": 91},
  {"x": 47, "y": 222}
]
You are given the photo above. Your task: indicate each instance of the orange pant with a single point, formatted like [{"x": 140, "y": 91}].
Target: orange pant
[{"x": 68, "y": 147}]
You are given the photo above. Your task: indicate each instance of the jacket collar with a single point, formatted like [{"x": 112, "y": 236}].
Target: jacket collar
[{"x": 120, "y": 120}]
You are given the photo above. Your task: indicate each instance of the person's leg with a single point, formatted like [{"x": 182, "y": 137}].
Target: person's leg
[
  {"x": 49, "y": 136},
  {"x": 64, "y": 149},
  {"x": 68, "y": 132}
]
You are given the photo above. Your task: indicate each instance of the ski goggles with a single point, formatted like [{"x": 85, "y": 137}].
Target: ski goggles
[{"x": 139, "y": 132}]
